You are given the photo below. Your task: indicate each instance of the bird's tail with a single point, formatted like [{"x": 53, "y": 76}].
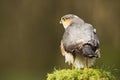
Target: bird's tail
[{"x": 88, "y": 51}]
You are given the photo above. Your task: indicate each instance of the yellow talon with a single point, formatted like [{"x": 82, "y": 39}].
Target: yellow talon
[
  {"x": 73, "y": 66},
  {"x": 86, "y": 63}
]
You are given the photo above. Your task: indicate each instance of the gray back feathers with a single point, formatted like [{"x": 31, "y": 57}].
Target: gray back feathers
[{"x": 77, "y": 33}]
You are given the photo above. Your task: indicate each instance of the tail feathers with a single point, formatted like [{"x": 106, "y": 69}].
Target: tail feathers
[{"x": 88, "y": 51}]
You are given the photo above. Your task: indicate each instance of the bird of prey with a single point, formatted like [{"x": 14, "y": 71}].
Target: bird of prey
[{"x": 80, "y": 44}]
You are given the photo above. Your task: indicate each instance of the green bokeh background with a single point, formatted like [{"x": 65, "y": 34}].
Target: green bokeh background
[{"x": 30, "y": 34}]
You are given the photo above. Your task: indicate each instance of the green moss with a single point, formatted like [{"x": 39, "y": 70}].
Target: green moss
[{"x": 88, "y": 74}]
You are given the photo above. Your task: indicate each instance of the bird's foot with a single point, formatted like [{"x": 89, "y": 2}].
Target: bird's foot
[
  {"x": 73, "y": 67},
  {"x": 86, "y": 63}
]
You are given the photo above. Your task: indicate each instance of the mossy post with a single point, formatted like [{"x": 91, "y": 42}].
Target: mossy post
[{"x": 85, "y": 74}]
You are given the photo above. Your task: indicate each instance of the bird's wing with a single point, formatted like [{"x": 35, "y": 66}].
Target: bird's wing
[
  {"x": 89, "y": 36},
  {"x": 93, "y": 41},
  {"x": 90, "y": 42},
  {"x": 77, "y": 36}
]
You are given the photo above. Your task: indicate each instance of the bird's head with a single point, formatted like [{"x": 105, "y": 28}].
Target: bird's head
[{"x": 68, "y": 19}]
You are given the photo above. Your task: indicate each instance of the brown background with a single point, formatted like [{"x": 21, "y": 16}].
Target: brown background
[{"x": 30, "y": 34}]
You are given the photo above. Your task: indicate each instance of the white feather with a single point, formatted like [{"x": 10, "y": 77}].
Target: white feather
[
  {"x": 69, "y": 58},
  {"x": 79, "y": 61}
]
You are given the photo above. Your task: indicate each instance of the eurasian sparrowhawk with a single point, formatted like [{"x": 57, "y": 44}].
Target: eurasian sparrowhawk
[{"x": 80, "y": 44}]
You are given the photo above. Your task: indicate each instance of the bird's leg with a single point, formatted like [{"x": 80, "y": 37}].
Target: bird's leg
[
  {"x": 73, "y": 66},
  {"x": 86, "y": 63}
]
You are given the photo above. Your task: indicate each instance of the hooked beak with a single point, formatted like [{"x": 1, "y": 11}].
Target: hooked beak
[{"x": 60, "y": 22}]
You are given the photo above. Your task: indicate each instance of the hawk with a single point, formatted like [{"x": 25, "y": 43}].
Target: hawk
[{"x": 80, "y": 44}]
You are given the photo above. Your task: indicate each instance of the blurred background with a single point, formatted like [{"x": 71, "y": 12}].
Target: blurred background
[{"x": 30, "y": 34}]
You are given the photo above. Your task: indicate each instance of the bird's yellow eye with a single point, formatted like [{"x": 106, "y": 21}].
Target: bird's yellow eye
[{"x": 64, "y": 19}]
